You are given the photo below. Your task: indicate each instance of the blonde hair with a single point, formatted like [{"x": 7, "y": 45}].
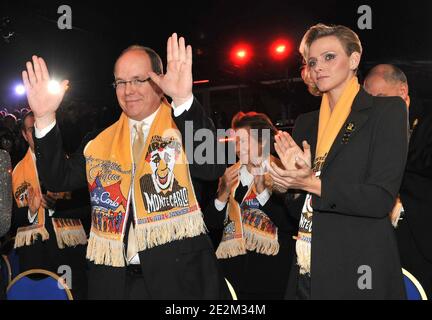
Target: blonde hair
[{"x": 348, "y": 38}]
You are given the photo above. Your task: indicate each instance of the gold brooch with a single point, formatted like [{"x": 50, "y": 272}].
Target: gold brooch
[{"x": 350, "y": 128}]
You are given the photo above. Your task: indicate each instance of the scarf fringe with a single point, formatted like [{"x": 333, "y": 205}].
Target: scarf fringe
[
  {"x": 27, "y": 236},
  {"x": 106, "y": 252},
  {"x": 303, "y": 250},
  {"x": 71, "y": 238},
  {"x": 153, "y": 234},
  {"x": 231, "y": 248},
  {"x": 261, "y": 244}
]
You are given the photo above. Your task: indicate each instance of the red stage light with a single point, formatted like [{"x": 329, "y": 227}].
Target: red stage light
[
  {"x": 280, "y": 49},
  {"x": 241, "y": 54}
]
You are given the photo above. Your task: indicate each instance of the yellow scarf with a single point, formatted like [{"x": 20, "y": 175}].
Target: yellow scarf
[
  {"x": 330, "y": 123},
  {"x": 165, "y": 205},
  {"x": 247, "y": 227},
  {"x": 68, "y": 234}
]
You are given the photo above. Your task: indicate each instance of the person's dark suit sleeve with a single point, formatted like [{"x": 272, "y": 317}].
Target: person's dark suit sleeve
[
  {"x": 375, "y": 197},
  {"x": 420, "y": 155},
  {"x": 213, "y": 218},
  {"x": 277, "y": 212},
  {"x": 58, "y": 173},
  {"x": 19, "y": 218},
  {"x": 200, "y": 119},
  {"x": 78, "y": 207}
]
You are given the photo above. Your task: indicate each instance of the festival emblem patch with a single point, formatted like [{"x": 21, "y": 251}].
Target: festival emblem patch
[
  {"x": 257, "y": 219},
  {"x": 21, "y": 194},
  {"x": 109, "y": 206},
  {"x": 229, "y": 229}
]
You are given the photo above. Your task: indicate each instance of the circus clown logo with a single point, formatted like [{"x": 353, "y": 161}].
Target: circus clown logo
[
  {"x": 161, "y": 191},
  {"x": 162, "y": 155}
]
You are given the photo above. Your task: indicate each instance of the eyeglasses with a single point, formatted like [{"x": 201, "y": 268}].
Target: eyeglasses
[{"x": 121, "y": 84}]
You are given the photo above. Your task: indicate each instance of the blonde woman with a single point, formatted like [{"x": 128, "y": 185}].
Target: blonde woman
[{"x": 344, "y": 164}]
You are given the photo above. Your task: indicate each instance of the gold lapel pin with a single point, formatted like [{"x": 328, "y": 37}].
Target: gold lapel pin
[{"x": 350, "y": 127}]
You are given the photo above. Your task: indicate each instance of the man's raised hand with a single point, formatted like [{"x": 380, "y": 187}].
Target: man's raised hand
[{"x": 42, "y": 101}]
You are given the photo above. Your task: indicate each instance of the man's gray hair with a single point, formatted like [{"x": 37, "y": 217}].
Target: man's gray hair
[
  {"x": 390, "y": 73},
  {"x": 155, "y": 59}
]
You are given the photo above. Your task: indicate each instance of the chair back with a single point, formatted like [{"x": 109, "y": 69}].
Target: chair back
[{"x": 38, "y": 284}]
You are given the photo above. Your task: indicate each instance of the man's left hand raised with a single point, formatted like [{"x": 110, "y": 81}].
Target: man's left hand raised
[{"x": 177, "y": 82}]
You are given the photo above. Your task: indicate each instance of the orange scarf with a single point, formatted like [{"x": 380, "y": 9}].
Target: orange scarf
[
  {"x": 247, "y": 227},
  {"x": 330, "y": 123},
  {"x": 69, "y": 232},
  {"x": 165, "y": 202},
  {"x": 24, "y": 176}
]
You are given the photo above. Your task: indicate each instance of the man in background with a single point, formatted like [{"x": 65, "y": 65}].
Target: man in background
[{"x": 412, "y": 215}]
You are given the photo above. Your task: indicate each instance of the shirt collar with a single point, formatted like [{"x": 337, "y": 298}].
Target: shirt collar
[
  {"x": 246, "y": 178},
  {"x": 148, "y": 121}
]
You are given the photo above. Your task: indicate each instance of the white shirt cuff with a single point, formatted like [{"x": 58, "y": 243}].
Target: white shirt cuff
[
  {"x": 30, "y": 218},
  {"x": 40, "y": 133},
  {"x": 219, "y": 205},
  {"x": 135, "y": 260},
  {"x": 178, "y": 110},
  {"x": 263, "y": 197}
]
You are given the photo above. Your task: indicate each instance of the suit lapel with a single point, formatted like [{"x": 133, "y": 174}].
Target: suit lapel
[{"x": 352, "y": 126}]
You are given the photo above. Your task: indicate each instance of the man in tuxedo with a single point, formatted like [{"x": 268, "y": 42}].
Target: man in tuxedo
[
  {"x": 185, "y": 265},
  {"x": 413, "y": 216},
  {"x": 51, "y": 253}
]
